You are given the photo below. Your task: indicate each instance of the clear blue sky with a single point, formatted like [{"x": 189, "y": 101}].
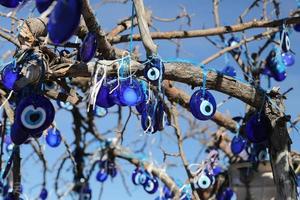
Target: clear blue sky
[{"x": 195, "y": 49}]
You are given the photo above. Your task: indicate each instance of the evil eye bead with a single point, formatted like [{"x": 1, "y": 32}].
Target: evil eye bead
[
  {"x": 64, "y": 105},
  {"x": 10, "y": 3},
  {"x": 151, "y": 185},
  {"x": 238, "y": 144},
  {"x": 130, "y": 93},
  {"x": 104, "y": 99},
  {"x": 233, "y": 41},
  {"x": 204, "y": 182},
  {"x": 285, "y": 41},
  {"x": 102, "y": 175},
  {"x": 229, "y": 71},
  {"x": 18, "y": 136},
  {"x": 257, "y": 128},
  {"x": 53, "y": 137},
  {"x": 43, "y": 194},
  {"x": 203, "y": 107},
  {"x": 88, "y": 48},
  {"x": 288, "y": 59},
  {"x": 10, "y": 75},
  {"x": 42, "y": 5},
  {"x": 154, "y": 71},
  {"x": 64, "y": 20},
  {"x": 34, "y": 114},
  {"x": 135, "y": 177}
]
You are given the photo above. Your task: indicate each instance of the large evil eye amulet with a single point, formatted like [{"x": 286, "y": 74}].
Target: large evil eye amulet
[
  {"x": 151, "y": 184},
  {"x": 42, "y": 5},
  {"x": 130, "y": 93},
  {"x": 229, "y": 71},
  {"x": 10, "y": 3},
  {"x": 88, "y": 48},
  {"x": 10, "y": 75},
  {"x": 233, "y": 41},
  {"x": 154, "y": 70},
  {"x": 34, "y": 114},
  {"x": 160, "y": 116},
  {"x": 53, "y": 137},
  {"x": 203, "y": 106},
  {"x": 238, "y": 144},
  {"x": 64, "y": 20},
  {"x": 285, "y": 44},
  {"x": 257, "y": 128}
]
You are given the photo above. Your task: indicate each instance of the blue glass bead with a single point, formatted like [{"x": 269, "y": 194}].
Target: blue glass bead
[
  {"x": 229, "y": 71},
  {"x": 204, "y": 181},
  {"x": 151, "y": 185},
  {"x": 44, "y": 194},
  {"x": 10, "y": 3},
  {"x": 34, "y": 114},
  {"x": 53, "y": 137},
  {"x": 104, "y": 99},
  {"x": 18, "y": 135},
  {"x": 130, "y": 93},
  {"x": 238, "y": 144},
  {"x": 42, "y": 5},
  {"x": 64, "y": 20},
  {"x": 279, "y": 76},
  {"x": 288, "y": 59},
  {"x": 10, "y": 75},
  {"x": 202, "y": 107},
  {"x": 257, "y": 128},
  {"x": 89, "y": 47},
  {"x": 154, "y": 70},
  {"x": 135, "y": 176},
  {"x": 232, "y": 42},
  {"x": 102, "y": 175}
]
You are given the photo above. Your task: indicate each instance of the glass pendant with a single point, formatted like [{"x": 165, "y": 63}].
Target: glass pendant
[
  {"x": 64, "y": 20},
  {"x": 288, "y": 59},
  {"x": 257, "y": 128},
  {"x": 53, "y": 137},
  {"x": 203, "y": 107},
  {"x": 104, "y": 99},
  {"x": 34, "y": 114},
  {"x": 10, "y": 75},
  {"x": 130, "y": 93},
  {"x": 151, "y": 184},
  {"x": 238, "y": 144},
  {"x": 135, "y": 176},
  {"x": 102, "y": 175},
  {"x": 42, "y": 5},
  {"x": 89, "y": 47},
  {"x": 154, "y": 70},
  {"x": 43, "y": 194}
]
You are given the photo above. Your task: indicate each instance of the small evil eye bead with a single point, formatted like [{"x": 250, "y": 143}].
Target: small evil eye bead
[
  {"x": 100, "y": 112},
  {"x": 203, "y": 107},
  {"x": 151, "y": 185},
  {"x": 167, "y": 193},
  {"x": 285, "y": 44},
  {"x": 130, "y": 92},
  {"x": 10, "y": 75},
  {"x": 154, "y": 71},
  {"x": 104, "y": 99},
  {"x": 53, "y": 137},
  {"x": 257, "y": 128},
  {"x": 34, "y": 114},
  {"x": 10, "y": 3},
  {"x": 18, "y": 135},
  {"x": 238, "y": 144},
  {"x": 102, "y": 175},
  {"x": 64, "y": 105},
  {"x": 64, "y": 20},
  {"x": 135, "y": 177},
  {"x": 88, "y": 47},
  {"x": 204, "y": 181},
  {"x": 288, "y": 59},
  {"x": 43, "y": 194},
  {"x": 229, "y": 71},
  {"x": 42, "y": 5},
  {"x": 263, "y": 155},
  {"x": 233, "y": 41}
]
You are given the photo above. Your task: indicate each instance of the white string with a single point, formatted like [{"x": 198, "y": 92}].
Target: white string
[
  {"x": 150, "y": 125},
  {"x": 6, "y": 100}
]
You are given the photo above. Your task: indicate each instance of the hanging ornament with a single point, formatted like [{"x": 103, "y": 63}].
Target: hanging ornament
[
  {"x": 288, "y": 59},
  {"x": 257, "y": 128},
  {"x": 102, "y": 175},
  {"x": 275, "y": 66},
  {"x": 160, "y": 116},
  {"x": 104, "y": 99},
  {"x": 233, "y": 41},
  {"x": 42, "y": 5},
  {"x": 238, "y": 144},
  {"x": 64, "y": 20},
  {"x": 204, "y": 181},
  {"x": 34, "y": 114},
  {"x": 53, "y": 137},
  {"x": 43, "y": 194},
  {"x": 229, "y": 71},
  {"x": 154, "y": 70},
  {"x": 10, "y": 3},
  {"x": 89, "y": 47},
  {"x": 9, "y": 75},
  {"x": 135, "y": 177},
  {"x": 148, "y": 118},
  {"x": 203, "y": 105}
]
